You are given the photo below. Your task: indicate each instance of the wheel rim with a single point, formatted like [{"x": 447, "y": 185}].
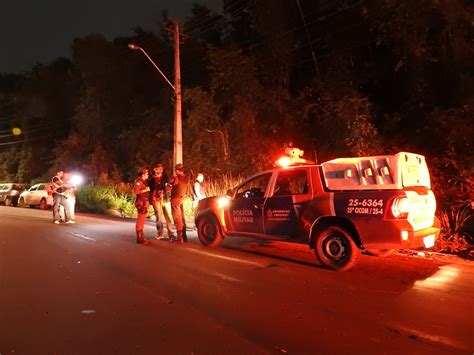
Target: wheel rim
[
  {"x": 336, "y": 248},
  {"x": 209, "y": 232},
  {"x": 42, "y": 204}
]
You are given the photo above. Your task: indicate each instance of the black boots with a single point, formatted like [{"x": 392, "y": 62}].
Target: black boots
[{"x": 141, "y": 239}]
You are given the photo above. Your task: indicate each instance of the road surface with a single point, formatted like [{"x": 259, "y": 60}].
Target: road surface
[{"x": 89, "y": 288}]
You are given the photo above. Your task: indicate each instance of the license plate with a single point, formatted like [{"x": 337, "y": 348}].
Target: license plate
[{"x": 429, "y": 241}]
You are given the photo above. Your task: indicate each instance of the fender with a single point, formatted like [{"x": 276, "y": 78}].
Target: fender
[
  {"x": 325, "y": 221},
  {"x": 217, "y": 213}
]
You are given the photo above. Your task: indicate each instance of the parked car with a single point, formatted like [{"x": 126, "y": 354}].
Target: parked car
[
  {"x": 10, "y": 192},
  {"x": 38, "y": 195}
]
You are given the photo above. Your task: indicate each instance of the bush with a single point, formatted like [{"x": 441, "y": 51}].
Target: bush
[
  {"x": 104, "y": 199},
  {"x": 453, "y": 236},
  {"x": 118, "y": 199}
]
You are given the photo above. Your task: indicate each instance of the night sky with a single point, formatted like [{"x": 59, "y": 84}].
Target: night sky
[{"x": 33, "y": 31}]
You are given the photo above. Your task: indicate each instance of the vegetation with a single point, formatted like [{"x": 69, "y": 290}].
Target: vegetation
[
  {"x": 454, "y": 235},
  {"x": 355, "y": 78}
]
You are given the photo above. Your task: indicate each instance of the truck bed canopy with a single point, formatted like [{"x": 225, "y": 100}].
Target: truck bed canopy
[{"x": 382, "y": 172}]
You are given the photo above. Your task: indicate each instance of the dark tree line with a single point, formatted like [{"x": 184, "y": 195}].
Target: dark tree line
[{"x": 334, "y": 77}]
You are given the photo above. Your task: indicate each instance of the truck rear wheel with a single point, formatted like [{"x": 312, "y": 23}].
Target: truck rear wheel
[
  {"x": 209, "y": 232},
  {"x": 335, "y": 249}
]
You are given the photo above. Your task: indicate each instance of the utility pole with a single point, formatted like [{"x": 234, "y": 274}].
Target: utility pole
[{"x": 178, "y": 123}]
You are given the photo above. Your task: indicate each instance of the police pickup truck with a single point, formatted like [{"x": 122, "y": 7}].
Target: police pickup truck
[{"x": 339, "y": 208}]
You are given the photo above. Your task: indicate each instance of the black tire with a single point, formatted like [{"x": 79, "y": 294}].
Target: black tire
[
  {"x": 335, "y": 249},
  {"x": 208, "y": 230},
  {"x": 8, "y": 201},
  {"x": 43, "y": 204},
  {"x": 380, "y": 252},
  {"x": 21, "y": 202}
]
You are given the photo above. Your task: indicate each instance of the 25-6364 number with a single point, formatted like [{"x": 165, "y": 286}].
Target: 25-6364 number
[{"x": 366, "y": 202}]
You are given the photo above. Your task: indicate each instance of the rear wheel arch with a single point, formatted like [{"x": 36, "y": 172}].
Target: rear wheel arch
[{"x": 325, "y": 222}]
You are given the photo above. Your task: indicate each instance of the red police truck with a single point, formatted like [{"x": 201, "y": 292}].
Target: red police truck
[{"x": 339, "y": 208}]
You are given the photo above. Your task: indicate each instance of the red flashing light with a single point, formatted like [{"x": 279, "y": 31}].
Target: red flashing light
[{"x": 284, "y": 162}]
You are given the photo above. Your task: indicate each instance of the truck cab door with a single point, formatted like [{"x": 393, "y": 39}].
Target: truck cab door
[
  {"x": 245, "y": 212},
  {"x": 283, "y": 208}
]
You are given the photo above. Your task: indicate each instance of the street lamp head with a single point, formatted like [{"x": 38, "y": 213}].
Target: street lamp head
[{"x": 133, "y": 46}]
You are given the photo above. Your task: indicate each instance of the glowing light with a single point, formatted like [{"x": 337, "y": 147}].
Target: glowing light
[
  {"x": 429, "y": 240},
  {"x": 223, "y": 202},
  {"x": 16, "y": 131},
  {"x": 284, "y": 162},
  {"x": 401, "y": 207},
  {"x": 77, "y": 179},
  {"x": 404, "y": 235}
]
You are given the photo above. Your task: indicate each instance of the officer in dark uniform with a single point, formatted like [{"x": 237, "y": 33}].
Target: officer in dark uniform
[
  {"x": 141, "y": 190},
  {"x": 179, "y": 183},
  {"x": 160, "y": 201}
]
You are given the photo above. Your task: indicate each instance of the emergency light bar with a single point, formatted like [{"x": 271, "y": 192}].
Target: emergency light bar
[{"x": 293, "y": 157}]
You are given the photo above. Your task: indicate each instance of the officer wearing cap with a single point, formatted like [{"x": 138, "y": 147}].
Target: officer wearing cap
[
  {"x": 159, "y": 199},
  {"x": 179, "y": 187},
  {"x": 141, "y": 190}
]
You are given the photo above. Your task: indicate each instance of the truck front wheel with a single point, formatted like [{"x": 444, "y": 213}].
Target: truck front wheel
[
  {"x": 335, "y": 249},
  {"x": 209, "y": 232}
]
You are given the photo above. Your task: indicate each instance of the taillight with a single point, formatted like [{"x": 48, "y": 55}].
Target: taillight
[{"x": 400, "y": 207}]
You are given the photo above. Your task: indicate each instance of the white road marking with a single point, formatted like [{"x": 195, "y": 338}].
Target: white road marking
[
  {"x": 225, "y": 257},
  {"x": 227, "y": 278},
  {"x": 82, "y": 236},
  {"x": 88, "y": 311}
]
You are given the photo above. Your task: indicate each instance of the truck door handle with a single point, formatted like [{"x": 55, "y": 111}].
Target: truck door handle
[{"x": 257, "y": 206}]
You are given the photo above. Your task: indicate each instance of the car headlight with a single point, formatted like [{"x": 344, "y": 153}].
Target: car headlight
[{"x": 222, "y": 202}]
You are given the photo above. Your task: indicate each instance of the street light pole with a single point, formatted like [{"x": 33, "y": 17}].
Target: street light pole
[
  {"x": 178, "y": 125},
  {"x": 178, "y": 134}
]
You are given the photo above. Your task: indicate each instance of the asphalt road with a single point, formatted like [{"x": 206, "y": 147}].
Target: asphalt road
[{"x": 89, "y": 288}]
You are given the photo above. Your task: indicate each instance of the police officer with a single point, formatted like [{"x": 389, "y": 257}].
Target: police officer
[
  {"x": 159, "y": 199},
  {"x": 179, "y": 183},
  {"x": 141, "y": 190}
]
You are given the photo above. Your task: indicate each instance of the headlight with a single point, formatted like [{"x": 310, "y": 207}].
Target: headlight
[
  {"x": 223, "y": 202},
  {"x": 77, "y": 180}
]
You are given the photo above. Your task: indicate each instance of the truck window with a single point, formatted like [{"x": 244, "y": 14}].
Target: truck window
[
  {"x": 254, "y": 188},
  {"x": 291, "y": 182}
]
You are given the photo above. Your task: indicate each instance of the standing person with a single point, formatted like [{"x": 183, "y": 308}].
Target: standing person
[
  {"x": 71, "y": 197},
  {"x": 159, "y": 199},
  {"x": 198, "y": 189},
  {"x": 179, "y": 186},
  {"x": 141, "y": 190},
  {"x": 59, "y": 198}
]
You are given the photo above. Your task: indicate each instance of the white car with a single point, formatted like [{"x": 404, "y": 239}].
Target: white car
[{"x": 38, "y": 195}]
